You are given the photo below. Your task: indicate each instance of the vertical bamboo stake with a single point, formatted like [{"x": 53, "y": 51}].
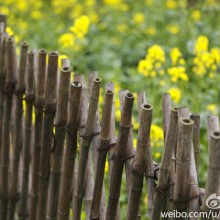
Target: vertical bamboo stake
[
  {"x": 29, "y": 97},
  {"x": 196, "y": 138},
  {"x": 193, "y": 194},
  {"x": 11, "y": 73},
  {"x": 70, "y": 151},
  {"x": 166, "y": 108},
  {"x": 2, "y": 84},
  {"x": 149, "y": 178},
  {"x": 84, "y": 150},
  {"x": 212, "y": 124},
  {"x": 92, "y": 157},
  {"x": 112, "y": 149},
  {"x": 18, "y": 131},
  {"x": 183, "y": 158},
  {"x": 82, "y": 121},
  {"x": 57, "y": 151},
  {"x": 139, "y": 162},
  {"x": 39, "y": 102},
  {"x": 163, "y": 181},
  {"x": 50, "y": 106},
  {"x": 119, "y": 158},
  {"x": 129, "y": 148},
  {"x": 3, "y": 19},
  {"x": 213, "y": 178},
  {"x": 102, "y": 149}
]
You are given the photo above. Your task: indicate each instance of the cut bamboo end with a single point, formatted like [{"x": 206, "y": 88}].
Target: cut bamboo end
[
  {"x": 146, "y": 107},
  {"x": 186, "y": 121},
  {"x": 30, "y": 72},
  {"x": 3, "y": 17},
  {"x": 41, "y": 75},
  {"x": 127, "y": 109},
  {"x": 51, "y": 82},
  {"x": 76, "y": 84},
  {"x": 22, "y": 66},
  {"x": 74, "y": 102},
  {"x": 11, "y": 62},
  {"x": 106, "y": 118},
  {"x": 66, "y": 69},
  {"x": 62, "y": 99}
]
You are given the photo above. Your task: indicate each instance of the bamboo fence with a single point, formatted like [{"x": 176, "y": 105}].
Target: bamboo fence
[{"x": 63, "y": 138}]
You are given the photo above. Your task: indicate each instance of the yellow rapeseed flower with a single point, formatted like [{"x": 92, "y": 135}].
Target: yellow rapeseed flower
[
  {"x": 81, "y": 26},
  {"x": 122, "y": 27},
  {"x": 157, "y": 155},
  {"x": 67, "y": 40},
  {"x": 178, "y": 72},
  {"x": 215, "y": 53},
  {"x": 212, "y": 108},
  {"x": 138, "y": 18},
  {"x": 201, "y": 45},
  {"x": 171, "y": 4},
  {"x": 196, "y": 15},
  {"x": 156, "y": 53},
  {"x": 113, "y": 2},
  {"x": 151, "y": 30},
  {"x": 175, "y": 94},
  {"x": 36, "y": 14},
  {"x": 175, "y": 55},
  {"x": 173, "y": 29},
  {"x": 156, "y": 135}
]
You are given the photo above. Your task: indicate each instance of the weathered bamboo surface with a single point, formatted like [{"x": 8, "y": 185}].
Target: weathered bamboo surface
[{"x": 81, "y": 156}]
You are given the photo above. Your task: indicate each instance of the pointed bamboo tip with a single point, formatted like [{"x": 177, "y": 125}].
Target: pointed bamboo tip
[{"x": 146, "y": 107}]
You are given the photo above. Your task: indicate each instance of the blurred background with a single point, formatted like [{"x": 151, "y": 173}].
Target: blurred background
[{"x": 155, "y": 46}]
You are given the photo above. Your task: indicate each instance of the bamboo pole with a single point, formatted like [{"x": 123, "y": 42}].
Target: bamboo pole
[
  {"x": 166, "y": 108},
  {"x": 93, "y": 155},
  {"x": 119, "y": 158},
  {"x": 82, "y": 121},
  {"x": 84, "y": 150},
  {"x": 49, "y": 112},
  {"x": 112, "y": 149},
  {"x": 70, "y": 151},
  {"x": 57, "y": 151},
  {"x": 29, "y": 98},
  {"x": 163, "y": 181},
  {"x": 193, "y": 194},
  {"x": 196, "y": 138},
  {"x": 39, "y": 103},
  {"x": 20, "y": 90},
  {"x": 138, "y": 167},
  {"x": 210, "y": 202},
  {"x": 11, "y": 72},
  {"x": 102, "y": 150},
  {"x": 183, "y": 159},
  {"x": 149, "y": 178},
  {"x": 3, "y": 19},
  {"x": 2, "y": 84},
  {"x": 212, "y": 124},
  {"x": 129, "y": 152}
]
